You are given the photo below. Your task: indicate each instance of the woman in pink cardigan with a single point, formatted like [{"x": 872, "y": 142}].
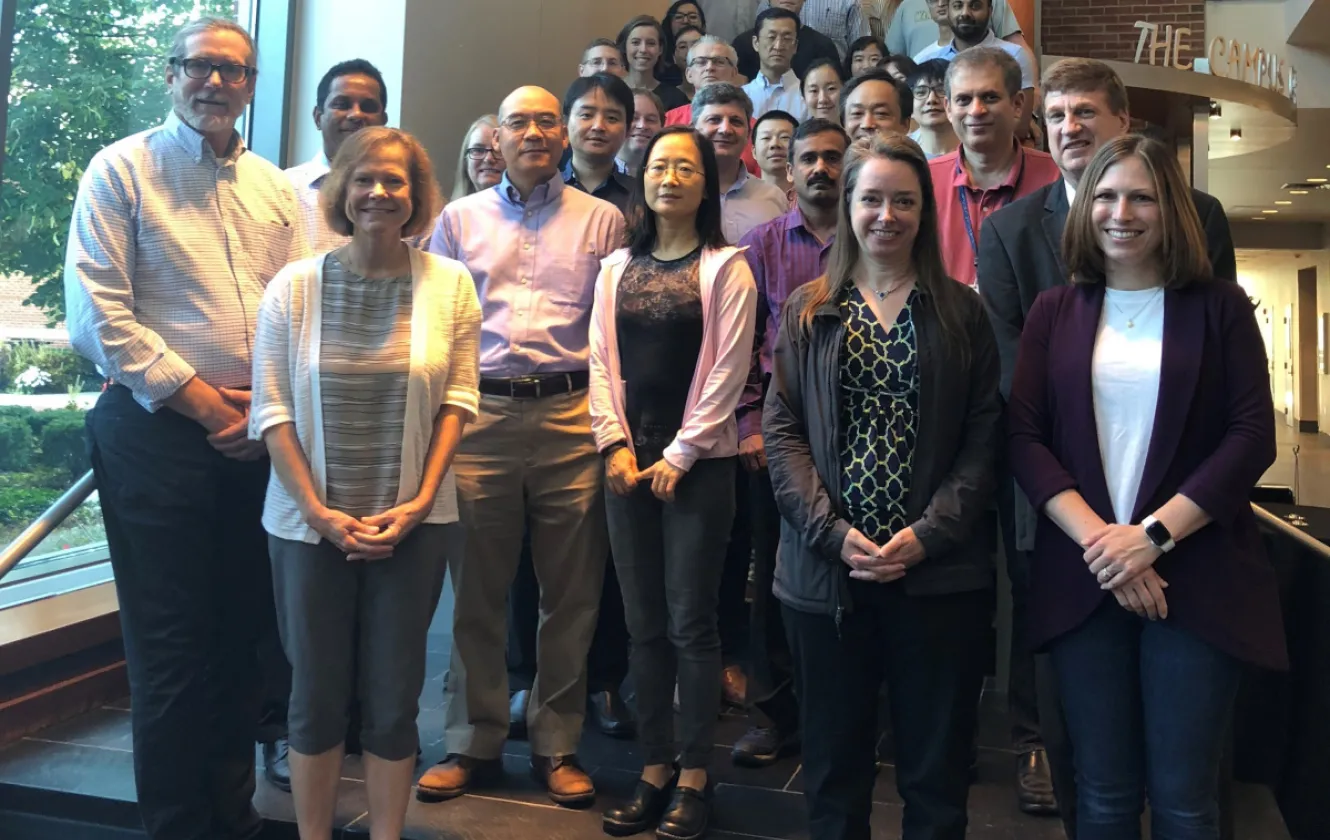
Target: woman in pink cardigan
[{"x": 671, "y": 336}]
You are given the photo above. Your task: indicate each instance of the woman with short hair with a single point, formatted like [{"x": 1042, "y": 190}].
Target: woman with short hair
[{"x": 365, "y": 372}]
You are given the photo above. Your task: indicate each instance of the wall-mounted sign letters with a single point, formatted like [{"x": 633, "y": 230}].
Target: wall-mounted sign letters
[{"x": 1227, "y": 58}]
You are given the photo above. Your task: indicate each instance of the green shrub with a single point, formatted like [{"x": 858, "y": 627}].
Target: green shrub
[
  {"x": 63, "y": 444},
  {"x": 66, "y": 368},
  {"x": 21, "y": 505},
  {"x": 44, "y": 418},
  {"x": 17, "y": 444},
  {"x": 24, "y": 413},
  {"x": 5, "y": 381}
]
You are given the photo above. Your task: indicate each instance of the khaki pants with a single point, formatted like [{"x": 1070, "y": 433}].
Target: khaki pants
[{"x": 529, "y": 462}]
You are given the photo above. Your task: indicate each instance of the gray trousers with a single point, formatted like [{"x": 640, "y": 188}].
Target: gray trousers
[
  {"x": 526, "y": 463},
  {"x": 670, "y": 557},
  {"x": 356, "y": 630}
]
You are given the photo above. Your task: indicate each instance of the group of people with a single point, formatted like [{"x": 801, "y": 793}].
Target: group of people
[{"x": 641, "y": 352}]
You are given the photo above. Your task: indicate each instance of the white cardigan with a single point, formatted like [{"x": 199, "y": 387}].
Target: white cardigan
[{"x": 445, "y": 345}]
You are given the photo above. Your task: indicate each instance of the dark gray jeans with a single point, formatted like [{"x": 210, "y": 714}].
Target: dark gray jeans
[{"x": 670, "y": 557}]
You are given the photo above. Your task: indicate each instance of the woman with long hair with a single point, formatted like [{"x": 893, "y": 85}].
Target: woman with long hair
[
  {"x": 642, "y": 44},
  {"x": 365, "y": 373},
  {"x": 880, "y": 424},
  {"x": 671, "y": 336},
  {"x": 479, "y": 164},
  {"x": 1140, "y": 418},
  {"x": 682, "y": 16}
]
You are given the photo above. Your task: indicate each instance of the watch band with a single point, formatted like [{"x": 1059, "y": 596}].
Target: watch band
[{"x": 1157, "y": 533}]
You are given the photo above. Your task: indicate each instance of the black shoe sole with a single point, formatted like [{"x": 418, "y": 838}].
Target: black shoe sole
[
  {"x": 617, "y": 829},
  {"x": 665, "y": 835},
  {"x": 1038, "y": 809},
  {"x": 428, "y": 795},
  {"x": 758, "y": 760}
]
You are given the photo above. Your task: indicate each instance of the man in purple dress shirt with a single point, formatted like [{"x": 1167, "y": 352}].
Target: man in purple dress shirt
[
  {"x": 784, "y": 254},
  {"x": 534, "y": 247}
]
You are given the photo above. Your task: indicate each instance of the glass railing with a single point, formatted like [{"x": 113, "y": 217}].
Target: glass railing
[{"x": 62, "y": 549}]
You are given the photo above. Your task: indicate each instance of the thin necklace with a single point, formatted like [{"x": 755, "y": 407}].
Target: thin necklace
[
  {"x": 1131, "y": 319},
  {"x": 890, "y": 290}
]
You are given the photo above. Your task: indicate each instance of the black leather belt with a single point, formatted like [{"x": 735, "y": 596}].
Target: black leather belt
[{"x": 535, "y": 387}]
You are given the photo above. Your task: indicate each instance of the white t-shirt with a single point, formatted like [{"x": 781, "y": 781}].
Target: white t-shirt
[{"x": 1124, "y": 372}]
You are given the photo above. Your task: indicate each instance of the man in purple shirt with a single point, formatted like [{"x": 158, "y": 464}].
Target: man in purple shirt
[
  {"x": 534, "y": 247},
  {"x": 784, "y": 254}
]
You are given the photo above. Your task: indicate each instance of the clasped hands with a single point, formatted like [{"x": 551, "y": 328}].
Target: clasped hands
[
  {"x": 370, "y": 537},
  {"x": 232, "y": 438},
  {"x": 881, "y": 564},
  {"x": 1121, "y": 558},
  {"x": 622, "y": 475}
]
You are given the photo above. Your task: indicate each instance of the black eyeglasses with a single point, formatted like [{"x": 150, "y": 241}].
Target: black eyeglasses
[
  {"x": 481, "y": 152},
  {"x": 202, "y": 68}
]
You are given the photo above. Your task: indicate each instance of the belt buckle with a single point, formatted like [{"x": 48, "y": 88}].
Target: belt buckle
[{"x": 520, "y": 381}]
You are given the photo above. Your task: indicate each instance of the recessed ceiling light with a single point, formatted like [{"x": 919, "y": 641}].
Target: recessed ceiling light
[
  {"x": 1283, "y": 202},
  {"x": 1235, "y": 134},
  {"x": 1297, "y": 192},
  {"x": 1269, "y": 212},
  {"x": 1316, "y": 180},
  {"x": 1258, "y": 218},
  {"x": 1215, "y": 111}
]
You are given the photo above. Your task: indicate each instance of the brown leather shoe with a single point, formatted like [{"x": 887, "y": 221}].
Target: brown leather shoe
[
  {"x": 733, "y": 686},
  {"x": 456, "y": 775},
  {"x": 567, "y": 783}
]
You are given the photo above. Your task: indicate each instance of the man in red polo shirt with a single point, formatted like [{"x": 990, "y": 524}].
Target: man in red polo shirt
[
  {"x": 711, "y": 60},
  {"x": 990, "y": 169}
]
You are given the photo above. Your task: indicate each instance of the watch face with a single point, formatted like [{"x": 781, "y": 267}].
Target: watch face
[{"x": 1157, "y": 533}]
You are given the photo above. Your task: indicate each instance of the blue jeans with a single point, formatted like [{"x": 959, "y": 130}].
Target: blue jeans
[{"x": 1147, "y": 706}]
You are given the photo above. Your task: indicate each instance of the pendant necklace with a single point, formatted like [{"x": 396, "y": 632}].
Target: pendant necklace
[{"x": 1131, "y": 319}]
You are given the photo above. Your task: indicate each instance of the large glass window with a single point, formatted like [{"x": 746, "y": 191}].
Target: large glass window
[{"x": 84, "y": 74}]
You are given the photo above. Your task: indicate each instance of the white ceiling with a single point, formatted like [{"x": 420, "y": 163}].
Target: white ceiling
[{"x": 1250, "y": 183}]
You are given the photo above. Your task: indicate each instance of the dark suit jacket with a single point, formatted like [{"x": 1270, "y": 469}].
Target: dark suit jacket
[
  {"x": 1213, "y": 436},
  {"x": 1020, "y": 255}
]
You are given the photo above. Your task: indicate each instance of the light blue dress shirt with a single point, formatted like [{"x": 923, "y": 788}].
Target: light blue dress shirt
[{"x": 535, "y": 264}]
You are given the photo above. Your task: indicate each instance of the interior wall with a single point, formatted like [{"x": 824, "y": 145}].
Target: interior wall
[{"x": 446, "y": 62}]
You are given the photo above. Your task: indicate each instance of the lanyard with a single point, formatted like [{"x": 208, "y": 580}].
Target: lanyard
[{"x": 964, "y": 198}]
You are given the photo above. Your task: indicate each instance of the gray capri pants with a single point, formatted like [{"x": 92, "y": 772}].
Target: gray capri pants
[{"x": 356, "y": 629}]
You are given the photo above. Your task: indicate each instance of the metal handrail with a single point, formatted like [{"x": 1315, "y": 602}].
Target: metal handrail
[
  {"x": 43, "y": 525},
  {"x": 1304, "y": 539}
]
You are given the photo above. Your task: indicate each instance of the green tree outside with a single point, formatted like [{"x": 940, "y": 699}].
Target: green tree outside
[{"x": 85, "y": 74}]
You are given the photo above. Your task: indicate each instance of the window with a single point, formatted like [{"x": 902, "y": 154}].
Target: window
[{"x": 83, "y": 74}]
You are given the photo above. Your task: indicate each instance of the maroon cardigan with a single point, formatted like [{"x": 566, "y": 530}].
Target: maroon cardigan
[{"x": 1213, "y": 438}]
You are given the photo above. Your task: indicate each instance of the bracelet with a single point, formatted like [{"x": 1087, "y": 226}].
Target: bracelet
[{"x": 612, "y": 448}]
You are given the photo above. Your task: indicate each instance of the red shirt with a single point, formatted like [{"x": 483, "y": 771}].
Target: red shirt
[
  {"x": 951, "y": 186},
  {"x": 683, "y": 115}
]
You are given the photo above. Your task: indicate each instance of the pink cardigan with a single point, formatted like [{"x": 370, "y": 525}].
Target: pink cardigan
[{"x": 729, "y": 315}]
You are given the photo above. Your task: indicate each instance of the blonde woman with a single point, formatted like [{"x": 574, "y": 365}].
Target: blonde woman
[
  {"x": 479, "y": 163},
  {"x": 364, "y": 376}
]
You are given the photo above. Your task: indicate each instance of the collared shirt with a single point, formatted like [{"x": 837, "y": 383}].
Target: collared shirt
[
  {"x": 840, "y": 20},
  {"x": 170, "y": 249},
  {"x": 727, "y": 18},
  {"x": 780, "y": 95},
  {"x": 535, "y": 264},
  {"x": 812, "y": 46},
  {"x": 683, "y": 115},
  {"x": 306, "y": 179},
  {"x": 748, "y": 203},
  {"x": 617, "y": 189},
  {"x": 784, "y": 255},
  {"x": 912, "y": 27},
  {"x": 956, "y": 195},
  {"x": 948, "y": 51}
]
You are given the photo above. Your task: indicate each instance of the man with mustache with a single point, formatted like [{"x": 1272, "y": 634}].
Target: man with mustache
[
  {"x": 990, "y": 169},
  {"x": 176, "y": 231},
  {"x": 776, "y": 86},
  {"x": 533, "y": 246},
  {"x": 598, "y": 110},
  {"x": 784, "y": 254},
  {"x": 351, "y": 96},
  {"x": 1020, "y": 255}
]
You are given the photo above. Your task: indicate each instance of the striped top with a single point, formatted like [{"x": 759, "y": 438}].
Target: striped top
[
  {"x": 364, "y": 362},
  {"x": 170, "y": 248}
]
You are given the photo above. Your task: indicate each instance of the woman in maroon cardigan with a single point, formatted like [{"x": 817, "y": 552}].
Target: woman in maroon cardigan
[{"x": 1140, "y": 417}]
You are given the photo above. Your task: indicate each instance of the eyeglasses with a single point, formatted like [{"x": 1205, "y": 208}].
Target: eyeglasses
[
  {"x": 687, "y": 18},
  {"x": 921, "y": 92},
  {"x": 604, "y": 63},
  {"x": 519, "y": 123},
  {"x": 481, "y": 152},
  {"x": 202, "y": 68},
  {"x": 682, "y": 171},
  {"x": 782, "y": 39},
  {"x": 703, "y": 61}
]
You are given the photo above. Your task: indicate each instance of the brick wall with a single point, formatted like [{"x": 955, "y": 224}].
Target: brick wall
[{"x": 1105, "y": 29}]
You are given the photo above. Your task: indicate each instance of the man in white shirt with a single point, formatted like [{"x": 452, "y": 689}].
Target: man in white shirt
[
  {"x": 724, "y": 115},
  {"x": 840, "y": 20},
  {"x": 351, "y": 96},
  {"x": 776, "y": 87},
  {"x": 175, "y": 233},
  {"x": 914, "y": 26},
  {"x": 970, "y": 27}
]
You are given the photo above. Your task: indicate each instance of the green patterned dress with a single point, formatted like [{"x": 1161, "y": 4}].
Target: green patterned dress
[{"x": 879, "y": 380}]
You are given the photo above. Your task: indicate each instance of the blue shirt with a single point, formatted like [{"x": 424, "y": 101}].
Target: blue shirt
[
  {"x": 617, "y": 189},
  {"x": 535, "y": 264},
  {"x": 948, "y": 52}
]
